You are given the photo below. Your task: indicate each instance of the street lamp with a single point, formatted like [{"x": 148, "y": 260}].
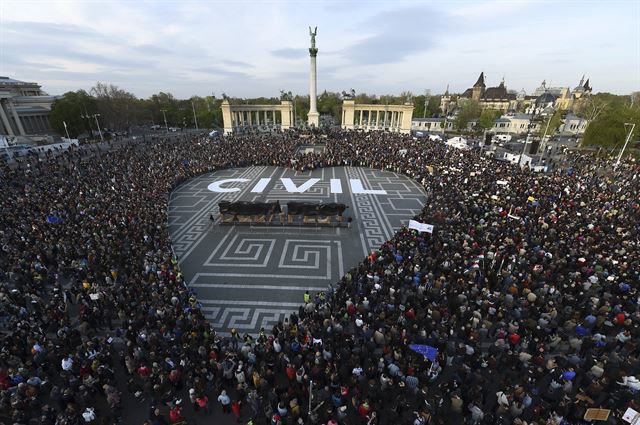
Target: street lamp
[
  {"x": 65, "y": 130},
  {"x": 295, "y": 111},
  {"x": 544, "y": 140},
  {"x": 98, "y": 125},
  {"x": 633, "y": 126},
  {"x": 95, "y": 116},
  {"x": 194, "y": 115},
  {"x": 427, "y": 94},
  {"x": 532, "y": 124},
  {"x": 165, "y": 119}
]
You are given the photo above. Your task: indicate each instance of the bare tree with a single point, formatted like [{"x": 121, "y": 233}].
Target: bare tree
[
  {"x": 118, "y": 108},
  {"x": 591, "y": 108}
]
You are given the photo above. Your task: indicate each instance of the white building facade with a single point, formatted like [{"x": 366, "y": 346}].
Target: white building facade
[
  {"x": 24, "y": 108},
  {"x": 573, "y": 125},
  {"x": 515, "y": 124}
]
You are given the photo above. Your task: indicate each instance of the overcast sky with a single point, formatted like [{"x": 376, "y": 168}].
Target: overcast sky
[{"x": 250, "y": 48}]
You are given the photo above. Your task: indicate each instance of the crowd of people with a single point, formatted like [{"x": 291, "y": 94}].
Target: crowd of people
[{"x": 527, "y": 289}]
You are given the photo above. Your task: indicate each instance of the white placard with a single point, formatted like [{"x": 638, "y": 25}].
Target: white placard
[
  {"x": 421, "y": 227},
  {"x": 631, "y": 416}
]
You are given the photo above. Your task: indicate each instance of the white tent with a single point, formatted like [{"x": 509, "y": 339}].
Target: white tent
[{"x": 458, "y": 143}]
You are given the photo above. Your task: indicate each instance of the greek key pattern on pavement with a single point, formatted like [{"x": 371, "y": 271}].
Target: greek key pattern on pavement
[
  {"x": 248, "y": 277},
  {"x": 199, "y": 205}
]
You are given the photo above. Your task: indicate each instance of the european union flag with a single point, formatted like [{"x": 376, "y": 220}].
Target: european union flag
[
  {"x": 426, "y": 350},
  {"x": 54, "y": 219}
]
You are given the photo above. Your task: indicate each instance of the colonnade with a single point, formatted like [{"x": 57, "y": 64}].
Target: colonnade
[
  {"x": 377, "y": 119},
  {"x": 395, "y": 118},
  {"x": 34, "y": 124},
  {"x": 251, "y": 118},
  {"x": 13, "y": 124},
  {"x": 240, "y": 117}
]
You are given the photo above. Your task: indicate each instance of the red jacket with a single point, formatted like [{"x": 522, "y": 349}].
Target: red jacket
[
  {"x": 175, "y": 415},
  {"x": 235, "y": 408}
]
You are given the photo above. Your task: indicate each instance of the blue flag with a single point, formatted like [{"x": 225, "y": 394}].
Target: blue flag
[
  {"x": 426, "y": 350},
  {"x": 54, "y": 219}
]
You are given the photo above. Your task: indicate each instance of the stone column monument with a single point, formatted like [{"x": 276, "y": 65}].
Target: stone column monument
[{"x": 313, "y": 116}]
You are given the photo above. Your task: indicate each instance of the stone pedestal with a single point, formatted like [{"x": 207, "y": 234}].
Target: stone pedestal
[
  {"x": 227, "y": 118},
  {"x": 313, "y": 118},
  {"x": 348, "y": 114}
]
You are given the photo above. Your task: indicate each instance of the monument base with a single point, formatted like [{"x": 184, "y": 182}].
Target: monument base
[{"x": 313, "y": 119}]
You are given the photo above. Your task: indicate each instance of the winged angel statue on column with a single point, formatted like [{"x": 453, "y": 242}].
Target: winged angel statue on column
[{"x": 313, "y": 36}]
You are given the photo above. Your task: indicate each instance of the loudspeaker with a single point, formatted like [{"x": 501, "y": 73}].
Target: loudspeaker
[
  {"x": 534, "y": 147},
  {"x": 487, "y": 139}
]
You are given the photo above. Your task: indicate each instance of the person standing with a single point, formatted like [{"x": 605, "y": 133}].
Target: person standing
[
  {"x": 203, "y": 403},
  {"x": 225, "y": 401},
  {"x": 235, "y": 408}
]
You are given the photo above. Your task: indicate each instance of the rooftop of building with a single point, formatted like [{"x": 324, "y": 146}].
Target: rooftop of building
[
  {"x": 519, "y": 116},
  {"x": 13, "y": 82},
  {"x": 32, "y": 110}
]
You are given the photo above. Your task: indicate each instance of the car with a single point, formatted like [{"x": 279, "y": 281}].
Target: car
[{"x": 502, "y": 137}]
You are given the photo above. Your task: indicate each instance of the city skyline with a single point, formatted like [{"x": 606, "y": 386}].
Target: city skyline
[{"x": 250, "y": 49}]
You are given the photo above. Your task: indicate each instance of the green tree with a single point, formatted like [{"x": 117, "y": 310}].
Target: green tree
[
  {"x": 469, "y": 110},
  {"x": 70, "y": 109},
  {"x": 608, "y": 129},
  {"x": 118, "y": 108},
  {"x": 330, "y": 103},
  {"x": 554, "y": 121},
  {"x": 208, "y": 111},
  {"x": 302, "y": 105},
  {"x": 488, "y": 118},
  {"x": 366, "y": 99},
  {"x": 160, "y": 102},
  {"x": 433, "y": 106},
  {"x": 607, "y": 114}
]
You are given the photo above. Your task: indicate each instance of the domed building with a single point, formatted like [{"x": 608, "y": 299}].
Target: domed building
[
  {"x": 544, "y": 88},
  {"x": 544, "y": 104}
]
